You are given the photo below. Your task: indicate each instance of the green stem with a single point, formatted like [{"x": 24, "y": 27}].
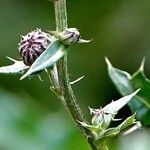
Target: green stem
[
  {"x": 66, "y": 90},
  {"x": 102, "y": 146}
]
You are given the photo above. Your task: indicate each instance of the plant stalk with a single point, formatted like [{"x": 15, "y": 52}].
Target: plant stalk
[{"x": 68, "y": 97}]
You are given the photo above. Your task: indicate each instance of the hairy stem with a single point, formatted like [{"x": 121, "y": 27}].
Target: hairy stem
[{"x": 68, "y": 97}]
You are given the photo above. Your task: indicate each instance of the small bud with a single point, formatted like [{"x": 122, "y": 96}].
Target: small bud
[
  {"x": 69, "y": 36},
  {"x": 101, "y": 118},
  {"x": 33, "y": 45}
]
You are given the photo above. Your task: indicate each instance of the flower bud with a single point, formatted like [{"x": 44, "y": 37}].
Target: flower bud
[
  {"x": 101, "y": 118},
  {"x": 33, "y": 45},
  {"x": 69, "y": 36}
]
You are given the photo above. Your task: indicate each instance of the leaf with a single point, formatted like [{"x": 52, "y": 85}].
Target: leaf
[
  {"x": 92, "y": 128},
  {"x": 17, "y": 68},
  {"x": 126, "y": 84},
  {"x": 115, "y": 106},
  {"x": 48, "y": 58},
  {"x": 120, "y": 78},
  {"x": 112, "y": 132},
  {"x": 128, "y": 122}
]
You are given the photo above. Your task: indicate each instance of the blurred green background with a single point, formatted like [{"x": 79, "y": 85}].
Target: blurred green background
[{"x": 31, "y": 117}]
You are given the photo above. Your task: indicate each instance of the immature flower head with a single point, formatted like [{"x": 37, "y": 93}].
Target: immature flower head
[
  {"x": 69, "y": 36},
  {"x": 101, "y": 118},
  {"x": 33, "y": 45}
]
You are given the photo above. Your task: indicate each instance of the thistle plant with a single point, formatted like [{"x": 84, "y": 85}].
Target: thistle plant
[{"x": 47, "y": 51}]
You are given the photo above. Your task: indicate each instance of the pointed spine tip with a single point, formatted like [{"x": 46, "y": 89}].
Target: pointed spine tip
[
  {"x": 142, "y": 64},
  {"x": 134, "y": 93},
  {"x": 77, "y": 80},
  {"x": 11, "y": 59},
  {"x": 108, "y": 62},
  {"x": 24, "y": 76},
  {"x": 84, "y": 41}
]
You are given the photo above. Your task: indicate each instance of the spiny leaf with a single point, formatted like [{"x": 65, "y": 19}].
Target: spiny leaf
[
  {"x": 126, "y": 84},
  {"x": 120, "y": 78},
  {"x": 128, "y": 122},
  {"x": 48, "y": 58},
  {"x": 115, "y": 106},
  {"x": 17, "y": 68},
  {"x": 112, "y": 132},
  {"x": 92, "y": 128}
]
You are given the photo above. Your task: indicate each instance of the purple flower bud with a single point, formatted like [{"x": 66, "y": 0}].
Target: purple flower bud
[
  {"x": 33, "y": 45},
  {"x": 69, "y": 36}
]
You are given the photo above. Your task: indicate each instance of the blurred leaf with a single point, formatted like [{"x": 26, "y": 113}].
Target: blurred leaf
[
  {"x": 17, "y": 68},
  {"x": 48, "y": 58},
  {"x": 137, "y": 141},
  {"x": 24, "y": 125},
  {"x": 126, "y": 84}
]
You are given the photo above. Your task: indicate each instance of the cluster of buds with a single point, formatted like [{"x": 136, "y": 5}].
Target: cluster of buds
[
  {"x": 36, "y": 42},
  {"x": 40, "y": 50}
]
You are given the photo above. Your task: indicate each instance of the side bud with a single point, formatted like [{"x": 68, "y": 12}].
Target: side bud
[
  {"x": 69, "y": 36},
  {"x": 33, "y": 45}
]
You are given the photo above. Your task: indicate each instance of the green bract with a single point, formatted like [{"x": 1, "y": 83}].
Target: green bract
[{"x": 17, "y": 68}]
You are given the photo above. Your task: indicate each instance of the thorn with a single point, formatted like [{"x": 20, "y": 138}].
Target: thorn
[
  {"x": 91, "y": 110},
  {"x": 22, "y": 36},
  {"x": 82, "y": 123},
  {"x": 134, "y": 93},
  {"x": 77, "y": 80},
  {"x": 24, "y": 76},
  {"x": 11, "y": 59},
  {"x": 108, "y": 62},
  {"x": 84, "y": 41},
  {"x": 40, "y": 78},
  {"x": 142, "y": 64},
  {"x": 117, "y": 119}
]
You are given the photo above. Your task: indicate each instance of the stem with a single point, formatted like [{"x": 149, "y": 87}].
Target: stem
[
  {"x": 102, "y": 146},
  {"x": 68, "y": 97}
]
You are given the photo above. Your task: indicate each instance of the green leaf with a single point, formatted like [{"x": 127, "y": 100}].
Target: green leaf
[
  {"x": 112, "y": 132},
  {"x": 115, "y": 106},
  {"x": 17, "y": 68},
  {"x": 127, "y": 123},
  {"x": 48, "y": 58},
  {"x": 126, "y": 84},
  {"x": 92, "y": 128},
  {"x": 121, "y": 79}
]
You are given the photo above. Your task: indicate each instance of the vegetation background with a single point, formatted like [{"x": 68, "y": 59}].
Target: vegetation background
[{"x": 31, "y": 117}]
